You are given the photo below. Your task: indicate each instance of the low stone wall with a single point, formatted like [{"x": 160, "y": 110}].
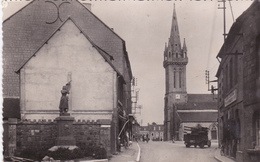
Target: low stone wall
[{"x": 26, "y": 134}]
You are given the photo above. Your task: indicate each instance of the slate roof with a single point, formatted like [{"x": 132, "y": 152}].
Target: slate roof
[
  {"x": 200, "y": 98},
  {"x": 198, "y": 116},
  {"x": 198, "y": 102},
  {"x": 26, "y": 31},
  {"x": 199, "y": 108}
]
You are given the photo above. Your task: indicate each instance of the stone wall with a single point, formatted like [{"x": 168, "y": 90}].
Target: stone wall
[{"x": 41, "y": 134}]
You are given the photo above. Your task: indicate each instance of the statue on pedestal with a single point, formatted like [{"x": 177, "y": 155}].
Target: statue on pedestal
[{"x": 64, "y": 101}]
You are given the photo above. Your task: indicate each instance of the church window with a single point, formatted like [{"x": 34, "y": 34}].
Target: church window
[
  {"x": 180, "y": 79},
  {"x": 174, "y": 79},
  {"x": 175, "y": 28},
  {"x": 169, "y": 54},
  {"x": 177, "y": 55}
]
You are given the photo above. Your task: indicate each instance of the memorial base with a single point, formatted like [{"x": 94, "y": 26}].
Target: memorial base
[{"x": 65, "y": 131}]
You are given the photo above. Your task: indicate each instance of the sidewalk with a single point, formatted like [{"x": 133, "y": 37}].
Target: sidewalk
[
  {"x": 131, "y": 154},
  {"x": 221, "y": 158}
]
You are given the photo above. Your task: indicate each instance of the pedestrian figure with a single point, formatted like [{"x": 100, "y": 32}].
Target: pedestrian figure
[{"x": 147, "y": 138}]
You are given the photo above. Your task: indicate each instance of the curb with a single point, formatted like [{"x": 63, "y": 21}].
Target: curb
[
  {"x": 101, "y": 160},
  {"x": 215, "y": 155},
  {"x": 139, "y": 153},
  {"x": 220, "y": 158}
]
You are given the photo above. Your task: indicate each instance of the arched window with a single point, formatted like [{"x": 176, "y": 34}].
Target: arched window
[
  {"x": 256, "y": 128},
  {"x": 180, "y": 79},
  {"x": 174, "y": 79}
]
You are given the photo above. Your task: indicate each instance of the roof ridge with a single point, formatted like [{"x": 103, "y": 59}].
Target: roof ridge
[{"x": 85, "y": 35}]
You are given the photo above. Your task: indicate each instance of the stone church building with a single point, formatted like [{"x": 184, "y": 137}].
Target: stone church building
[
  {"x": 48, "y": 44},
  {"x": 182, "y": 109}
]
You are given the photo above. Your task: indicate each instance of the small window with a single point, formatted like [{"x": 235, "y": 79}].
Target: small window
[{"x": 256, "y": 126}]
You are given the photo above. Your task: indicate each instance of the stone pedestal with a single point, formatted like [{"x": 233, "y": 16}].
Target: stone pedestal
[{"x": 65, "y": 130}]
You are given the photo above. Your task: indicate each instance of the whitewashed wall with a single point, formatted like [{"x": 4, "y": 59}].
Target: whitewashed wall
[{"x": 68, "y": 52}]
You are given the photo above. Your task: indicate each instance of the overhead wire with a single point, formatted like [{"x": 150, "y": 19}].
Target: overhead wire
[{"x": 231, "y": 10}]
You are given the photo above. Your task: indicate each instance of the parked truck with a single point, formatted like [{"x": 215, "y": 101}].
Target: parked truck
[{"x": 197, "y": 136}]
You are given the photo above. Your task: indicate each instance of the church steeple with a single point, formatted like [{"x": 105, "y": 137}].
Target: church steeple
[
  {"x": 174, "y": 40},
  {"x": 175, "y": 61},
  {"x": 174, "y": 53}
]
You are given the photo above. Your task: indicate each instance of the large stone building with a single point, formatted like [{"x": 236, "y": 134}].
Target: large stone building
[
  {"x": 182, "y": 109},
  {"x": 48, "y": 44},
  {"x": 239, "y": 88}
]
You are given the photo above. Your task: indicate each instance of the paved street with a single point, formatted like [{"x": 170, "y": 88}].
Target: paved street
[{"x": 171, "y": 152}]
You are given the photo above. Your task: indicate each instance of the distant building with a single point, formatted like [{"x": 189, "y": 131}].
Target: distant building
[
  {"x": 154, "y": 131},
  {"x": 239, "y": 88},
  {"x": 48, "y": 44},
  {"x": 182, "y": 109}
]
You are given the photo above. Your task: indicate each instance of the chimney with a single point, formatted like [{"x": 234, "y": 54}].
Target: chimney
[{"x": 87, "y": 5}]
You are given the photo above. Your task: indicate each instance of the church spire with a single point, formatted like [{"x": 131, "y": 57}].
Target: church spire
[{"x": 174, "y": 41}]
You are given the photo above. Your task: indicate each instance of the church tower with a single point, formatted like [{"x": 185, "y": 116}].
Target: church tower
[{"x": 175, "y": 61}]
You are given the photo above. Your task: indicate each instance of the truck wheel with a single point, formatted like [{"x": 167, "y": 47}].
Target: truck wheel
[
  {"x": 201, "y": 145},
  {"x": 187, "y": 145},
  {"x": 195, "y": 146}
]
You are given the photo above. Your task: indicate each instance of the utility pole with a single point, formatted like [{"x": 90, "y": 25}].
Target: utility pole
[
  {"x": 224, "y": 17},
  {"x": 212, "y": 89}
]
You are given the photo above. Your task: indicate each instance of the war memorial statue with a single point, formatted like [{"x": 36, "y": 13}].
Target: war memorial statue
[{"x": 64, "y": 101}]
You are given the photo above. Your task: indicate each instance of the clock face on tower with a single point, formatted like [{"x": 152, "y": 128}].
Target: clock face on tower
[{"x": 178, "y": 96}]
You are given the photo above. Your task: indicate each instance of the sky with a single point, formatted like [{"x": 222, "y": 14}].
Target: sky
[{"x": 145, "y": 26}]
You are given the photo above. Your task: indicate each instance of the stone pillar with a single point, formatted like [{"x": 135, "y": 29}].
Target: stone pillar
[
  {"x": 12, "y": 122},
  {"x": 65, "y": 131}
]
